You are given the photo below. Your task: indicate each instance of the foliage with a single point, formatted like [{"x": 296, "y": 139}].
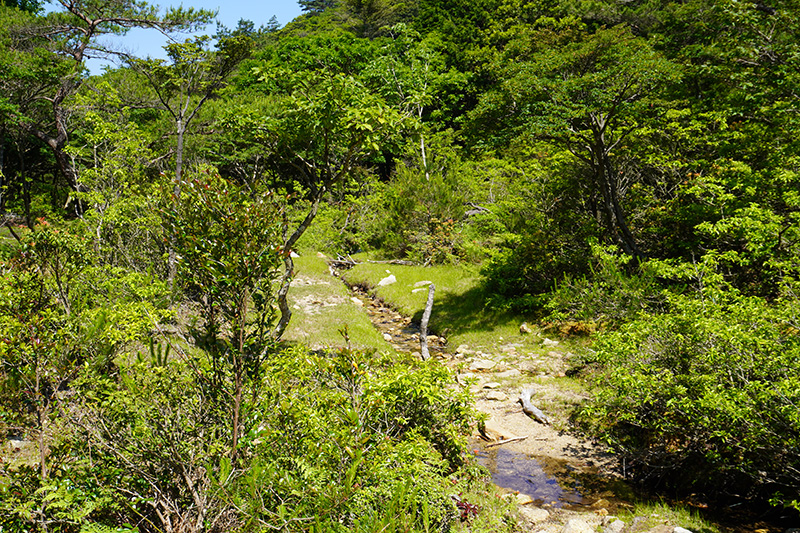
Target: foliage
[
  {"x": 614, "y": 293},
  {"x": 708, "y": 387}
]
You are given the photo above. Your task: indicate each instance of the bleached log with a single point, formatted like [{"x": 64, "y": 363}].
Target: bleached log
[{"x": 529, "y": 409}]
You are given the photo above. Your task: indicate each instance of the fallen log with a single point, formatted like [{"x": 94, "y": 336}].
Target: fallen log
[
  {"x": 529, "y": 409},
  {"x": 505, "y": 441}
]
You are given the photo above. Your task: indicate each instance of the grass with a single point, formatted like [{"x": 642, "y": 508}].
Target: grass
[
  {"x": 647, "y": 516},
  {"x": 459, "y": 310},
  {"x": 322, "y": 310}
]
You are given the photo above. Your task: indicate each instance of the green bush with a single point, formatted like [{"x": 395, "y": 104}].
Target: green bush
[
  {"x": 704, "y": 397},
  {"x": 614, "y": 292}
]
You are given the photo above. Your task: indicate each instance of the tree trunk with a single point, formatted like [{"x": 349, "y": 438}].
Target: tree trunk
[{"x": 288, "y": 267}]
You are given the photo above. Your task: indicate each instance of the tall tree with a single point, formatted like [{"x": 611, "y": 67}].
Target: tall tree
[
  {"x": 183, "y": 85},
  {"x": 46, "y": 65},
  {"x": 592, "y": 97}
]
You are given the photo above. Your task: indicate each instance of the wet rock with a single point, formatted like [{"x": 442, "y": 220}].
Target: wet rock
[
  {"x": 524, "y": 499},
  {"x": 422, "y": 283},
  {"x": 576, "y": 525},
  {"x": 357, "y": 301},
  {"x": 482, "y": 364},
  {"x": 548, "y": 342},
  {"x": 388, "y": 280},
  {"x": 534, "y": 514},
  {"x": 602, "y": 502},
  {"x": 497, "y": 396},
  {"x": 525, "y": 329}
]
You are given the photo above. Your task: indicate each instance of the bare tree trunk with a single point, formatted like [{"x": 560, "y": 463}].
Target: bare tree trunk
[
  {"x": 423, "y": 328},
  {"x": 288, "y": 267}
]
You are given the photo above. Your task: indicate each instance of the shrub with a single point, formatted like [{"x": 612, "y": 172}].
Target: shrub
[{"x": 703, "y": 397}]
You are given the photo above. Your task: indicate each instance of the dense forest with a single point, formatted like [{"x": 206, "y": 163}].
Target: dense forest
[{"x": 623, "y": 170}]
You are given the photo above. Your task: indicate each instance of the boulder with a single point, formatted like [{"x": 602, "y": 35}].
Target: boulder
[
  {"x": 534, "y": 514},
  {"x": 576, "y": 525}
]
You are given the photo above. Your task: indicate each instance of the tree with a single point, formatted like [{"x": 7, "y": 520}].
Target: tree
[
  {"x": 228, "y": 244},
  {"x": 592, "y": 96},
  {"x": 45, "y": 66},
  {"x": 320, "y": 127},
  {"x": 182, "y": 87}
]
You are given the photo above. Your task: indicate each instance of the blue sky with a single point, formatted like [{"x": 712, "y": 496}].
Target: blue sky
[{"x": 149, "y": 42}]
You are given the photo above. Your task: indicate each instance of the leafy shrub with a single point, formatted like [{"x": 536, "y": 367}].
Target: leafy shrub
[
  {"x": 703, "y": 397},
  {"x": 609, "y": 294}
]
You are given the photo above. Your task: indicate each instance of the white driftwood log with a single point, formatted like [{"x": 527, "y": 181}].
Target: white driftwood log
[
  {"x": 423, "y": 328},
  {"x": 529, "y": 409}
]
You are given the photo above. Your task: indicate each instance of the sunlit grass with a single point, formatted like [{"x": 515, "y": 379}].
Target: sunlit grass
[
  {"x": 322, "y": 311},
  {"x": 459, "y": 310}
]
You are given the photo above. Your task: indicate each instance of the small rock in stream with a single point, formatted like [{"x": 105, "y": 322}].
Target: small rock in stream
[
  {"x": 387, "y": 337},
  {"x": 535, "y": 514}
]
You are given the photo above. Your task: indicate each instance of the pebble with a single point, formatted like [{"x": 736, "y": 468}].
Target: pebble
[
  {"x": 491, "y": 385},
  {"x": 615, "y": 526},
  {"x": 387, "y": 337}
]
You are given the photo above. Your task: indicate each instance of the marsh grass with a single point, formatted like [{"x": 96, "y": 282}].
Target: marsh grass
[
  {"x": 459, "y": 310},
  {"x": 322, "y": 312}
]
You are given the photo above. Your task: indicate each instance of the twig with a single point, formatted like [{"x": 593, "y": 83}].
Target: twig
[{"x": 506, "y": 441}]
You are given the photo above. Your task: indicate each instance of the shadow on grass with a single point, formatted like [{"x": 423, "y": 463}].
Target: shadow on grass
[{"x": 467, "y": 312}]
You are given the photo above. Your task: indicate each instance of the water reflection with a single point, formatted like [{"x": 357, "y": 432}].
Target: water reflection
[{"x": 525, "y": 474}]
